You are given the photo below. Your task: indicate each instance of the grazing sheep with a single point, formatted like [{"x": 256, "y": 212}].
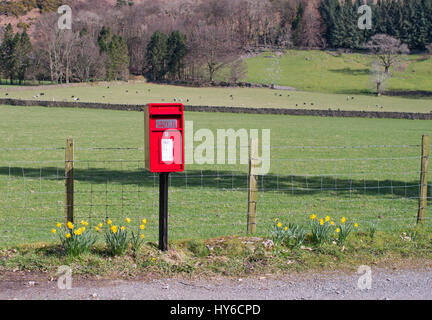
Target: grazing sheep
[
  {"x": 175, "y": 100},
  {"x": 348, "y": 98},
  {"x": 42, "y": 94},
  {"x": 7, "y": 94}
]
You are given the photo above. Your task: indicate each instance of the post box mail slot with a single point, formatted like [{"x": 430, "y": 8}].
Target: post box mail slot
[{"x": 164, "y": 137}]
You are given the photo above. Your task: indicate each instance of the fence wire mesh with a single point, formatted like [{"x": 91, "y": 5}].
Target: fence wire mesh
[{"x": 368, "y": 184}]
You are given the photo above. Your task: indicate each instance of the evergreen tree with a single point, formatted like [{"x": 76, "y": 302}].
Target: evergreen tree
[
  {"x": 329, "y": 13},
  {"x": 176, "y": 53},
  {"x": 8, "y": 53},
  {"x": 156, "y": 56},
  {"x": 104, "y": 39},
  {"x": 118, "y": 59},
  {"x": 24, "y": 48},
  {"x": 296, "y": 25}
]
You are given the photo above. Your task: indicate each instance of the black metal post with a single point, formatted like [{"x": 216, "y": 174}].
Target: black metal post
[{"x": 163, "y": 211}]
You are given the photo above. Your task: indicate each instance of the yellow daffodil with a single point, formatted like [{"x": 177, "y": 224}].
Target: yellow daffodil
[
  {"x": 83, "y": 229},
  {"x": 153, "y": 259},
  {"x": 332, "y": 223},
  {"x": 96, "y": 228},
  {"x": 279, "y": 225},
  {"x": 327, "y": 218},
  {"x": 312, "y": 217},
  {"x": 142, "y": 227},
  {"x": 337, "y": 230},
  {"x": 114, "y": 229},
  {"x": 142, "y": 236},
  {"x": 286, "y": 228},
  {"x": 68, "y": 235},
  {"x": 100, "y": 225},
  {"x": 128, "y": 220},
  {"x": 58, "y": 225},
  {"x": 53, "y": 230},
  {"x": 70, "y": 225},
  {"x": 123, "y": 228},
  {"x": 356, "y": 225},
  {"x": 321, "y": 222},
  {"x": 78, "y": 232},
  {"x": 109, "y": 221},
  {"x": 144, "y": 221},
  {"x": 276, "y": 220},
  {"x": 343, "y": 220}
]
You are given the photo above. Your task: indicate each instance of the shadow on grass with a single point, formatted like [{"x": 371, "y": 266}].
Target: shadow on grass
[
  {"x": 352, "y": 72},
  {"x": 228, "y": 180}
]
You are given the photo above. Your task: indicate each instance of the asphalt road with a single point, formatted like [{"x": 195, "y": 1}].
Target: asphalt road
[{"x": 385, "y": 284}]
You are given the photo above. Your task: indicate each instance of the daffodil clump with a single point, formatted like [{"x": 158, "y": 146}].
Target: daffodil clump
[
  {"x": 117, "y": 240},
  {"x": 321, "y": 228},
  {"x": 137, "y": 239},
  {"x": 75, "y": 239},
  {"x": 289, "y": 235},
  {"x": 343, "y": 230},
  {"x": 324, "y": 228}
]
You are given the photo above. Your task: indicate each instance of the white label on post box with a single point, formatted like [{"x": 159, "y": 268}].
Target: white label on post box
[{"x": 167, "y": 150}]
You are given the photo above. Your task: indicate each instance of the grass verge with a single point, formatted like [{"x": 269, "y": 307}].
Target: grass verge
[{"x": 229, "y": 256}]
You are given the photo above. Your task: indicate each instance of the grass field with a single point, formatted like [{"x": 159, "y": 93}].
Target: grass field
[
  {"x": 322, "y": 80},
  {"x": 142, "y": 93},
  {"x": 367, "y": 184},
  {"x": 319, "y": 71}
]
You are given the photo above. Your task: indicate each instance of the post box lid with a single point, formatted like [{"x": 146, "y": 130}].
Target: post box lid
[{"x": 165, "y": 108}]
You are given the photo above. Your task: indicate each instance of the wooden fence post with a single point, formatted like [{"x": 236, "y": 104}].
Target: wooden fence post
[
  {"x": 253, "y": 187},
  {"x": 421, "y": 217},
  {"x": 69, "y": 180}
]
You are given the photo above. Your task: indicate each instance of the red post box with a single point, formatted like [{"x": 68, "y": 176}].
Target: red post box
[{"x": 164, "y": 137}]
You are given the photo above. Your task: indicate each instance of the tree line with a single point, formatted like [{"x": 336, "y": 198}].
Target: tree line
[
  {"x": 409, "y": 21},
  {"x": 196, "y": 41}
]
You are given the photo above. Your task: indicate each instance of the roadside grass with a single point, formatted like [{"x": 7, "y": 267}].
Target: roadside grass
[
  {"x": 225, "y": 256},
  {"x": 368, "y": 184}
]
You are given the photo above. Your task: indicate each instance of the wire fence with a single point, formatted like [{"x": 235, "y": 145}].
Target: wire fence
[{"x": 374, "y": 184}]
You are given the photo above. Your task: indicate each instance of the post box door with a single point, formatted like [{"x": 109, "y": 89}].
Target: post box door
[{"x": 168, "y": 147}]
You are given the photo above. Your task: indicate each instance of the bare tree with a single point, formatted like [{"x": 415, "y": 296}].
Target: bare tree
[
  {"x": 238, "y": 70},
  {"x": 215, "y": 46},
  {"x": 310, "y": 33},
  {"x": 387, "y": 50},
  {"x": 379, "y": 78}
]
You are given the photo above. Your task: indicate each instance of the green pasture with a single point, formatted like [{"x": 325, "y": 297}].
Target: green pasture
[
  {"x": 376, "y": 184},
  {"x": 330, "y": 72},
  {"x": 142, "y": 93}
]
